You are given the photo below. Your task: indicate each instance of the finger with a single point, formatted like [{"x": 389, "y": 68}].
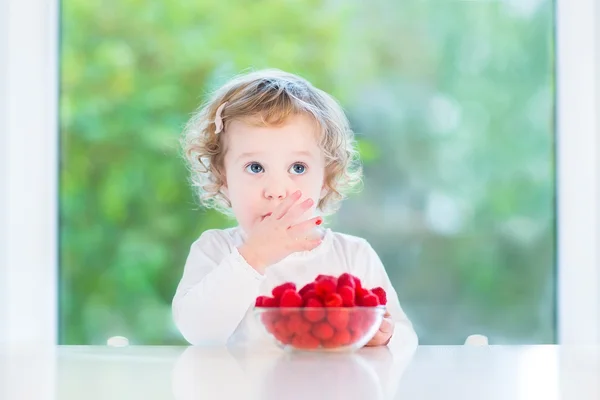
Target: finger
[
  {"x": 378, "y": 339},
  {"x": 305, "y": 226},
  {"x": 296, "y": 211},
  {"x": 307, "y": 245},
  {"x": 387, "y": 326},
  {"x": 285, "y": 205},
  {"x": 386, "y": 329},
  {"x": 308, "y": 240}
]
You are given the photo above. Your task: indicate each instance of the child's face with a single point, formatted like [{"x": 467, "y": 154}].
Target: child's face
[{"x": 264, "y": 165}]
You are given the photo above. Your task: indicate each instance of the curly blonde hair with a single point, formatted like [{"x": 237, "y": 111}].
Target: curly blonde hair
[{"x": 272, "y": 96}]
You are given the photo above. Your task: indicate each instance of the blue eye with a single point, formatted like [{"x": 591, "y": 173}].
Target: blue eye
[
  {"x": 254, "y": 168},
  {"x": 298, "y": 169}
]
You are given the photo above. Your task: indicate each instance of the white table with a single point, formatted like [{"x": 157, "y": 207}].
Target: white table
[{"x": 405, "y": 372}]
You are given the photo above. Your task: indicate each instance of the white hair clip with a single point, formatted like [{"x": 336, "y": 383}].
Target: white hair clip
[{"x": 219, "y": 118}]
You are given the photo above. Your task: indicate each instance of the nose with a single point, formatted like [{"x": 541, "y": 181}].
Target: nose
[{"x": 277, "y": 189}]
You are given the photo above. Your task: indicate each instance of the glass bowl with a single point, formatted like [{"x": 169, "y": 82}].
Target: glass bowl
[{"x": 330, "y": 329}]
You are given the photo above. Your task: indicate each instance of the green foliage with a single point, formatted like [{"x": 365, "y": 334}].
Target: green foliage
[{"x": 453, "y": 105}]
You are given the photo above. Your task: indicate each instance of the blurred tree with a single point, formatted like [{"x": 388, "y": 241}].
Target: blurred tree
[{"x": 453, "y": 107}]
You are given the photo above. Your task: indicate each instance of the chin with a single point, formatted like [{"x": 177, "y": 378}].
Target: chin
[{"x": 247, "y": 226}]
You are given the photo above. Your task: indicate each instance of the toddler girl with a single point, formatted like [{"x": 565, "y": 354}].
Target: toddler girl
[{"x": 278, "y": 154}]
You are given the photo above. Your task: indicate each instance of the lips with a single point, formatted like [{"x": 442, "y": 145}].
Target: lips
[{"x": 265, "y": 216}]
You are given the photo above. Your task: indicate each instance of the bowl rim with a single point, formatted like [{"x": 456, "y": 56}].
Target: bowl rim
[{"x": 260, "y": 308}]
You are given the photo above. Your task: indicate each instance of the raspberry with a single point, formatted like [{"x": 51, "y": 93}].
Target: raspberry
[
  {"x": 281, "y": 331},
  {"x": 297, "y": 325},
  {"x": 278, "y": 290},
  {"x": 347, "y": 295},
  {"x": 325, "y": 318},
  {"x": 311, "y": 294},
  {"x": 325, "y": 285},
  {"x": 367, "y": 298},
  {"x": 281, "y": 326},
  {"x": 259, "y": 301},
  {"x": 268, "y": 320},
  {"x": 306, "y": 288},
  {"x": 314, "y": 302},
  {"x": 338, "y": 318},
  {"x": 346, "y": 279},
  {"x": 315, "y": 311},
  {"x": 368, "y": 320},
  {"x": 319, "y": 277},
  {"x": 290, "y": 298},
  {"x": 339, "y": 339},
  {"x": 355, "y": 324},
  {"x": 360, "y": 323},
  {"x": 270, "y": 316},
  {"x": 285, "y": 339},
  {"x": 333, "y": 300},
  {"x": 370, "y": 300},
  {"x": 270, "y": 302},
  {"x": 359, "y": 294},
  {"x": 322, "y": 330},
  {"x": 305, "y": 341},
  {"x": 329, "y": 344},
  {"x": 381, "y": 295},
  {"x": 343, "y": 337},
  {"x": 356, "y": 335}
]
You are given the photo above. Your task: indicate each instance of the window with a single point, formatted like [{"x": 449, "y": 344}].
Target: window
[{"x": 453, "y": 104}]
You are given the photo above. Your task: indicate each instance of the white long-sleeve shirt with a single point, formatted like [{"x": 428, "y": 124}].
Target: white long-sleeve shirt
[{"x": 214, "y": 299}]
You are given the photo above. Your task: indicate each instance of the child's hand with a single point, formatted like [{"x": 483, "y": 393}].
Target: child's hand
[
  {"x": 276, "y": 237},
  {"x": 385, "y": 332}
]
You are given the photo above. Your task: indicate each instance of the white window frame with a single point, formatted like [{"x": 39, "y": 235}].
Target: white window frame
[
  {"x": 29, "y": 171},
  {"x": 578, "y": 171}
]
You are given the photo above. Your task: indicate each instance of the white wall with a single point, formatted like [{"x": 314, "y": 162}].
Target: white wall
[
  {"x": 578, "y": 176},
  {"x": 28, "y": 185},
  {"x": 3, "y": 167}
]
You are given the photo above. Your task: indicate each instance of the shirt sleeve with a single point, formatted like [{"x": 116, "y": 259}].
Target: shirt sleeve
[
  {"x": 376, "y": 275},
  {"x": 216, "y": 290}
]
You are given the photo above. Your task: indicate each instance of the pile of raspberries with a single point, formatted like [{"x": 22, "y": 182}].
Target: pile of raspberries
[{"x": 322, "y": 313}]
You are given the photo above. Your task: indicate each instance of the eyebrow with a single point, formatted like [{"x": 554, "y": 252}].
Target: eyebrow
[{"x": 252, "y": 154}]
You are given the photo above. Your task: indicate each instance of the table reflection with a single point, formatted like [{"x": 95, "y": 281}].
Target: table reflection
[{"x": 372, "y": 373}]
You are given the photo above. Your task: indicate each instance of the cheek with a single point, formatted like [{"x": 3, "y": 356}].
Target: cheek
[
  {"x": 242, "y": 187},
  {"x": 311, "y": 187}
]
